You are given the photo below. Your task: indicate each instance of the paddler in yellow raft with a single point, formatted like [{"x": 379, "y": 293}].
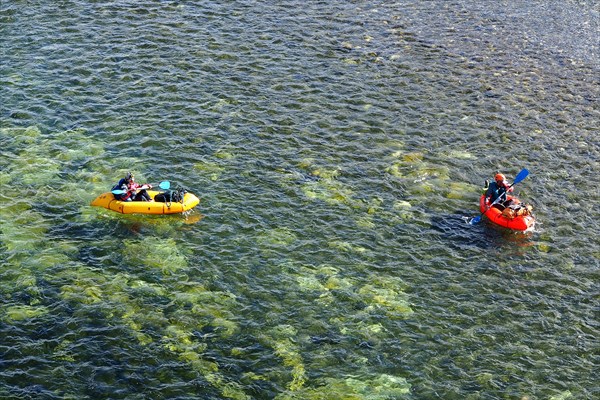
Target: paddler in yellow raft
[
  {"x": 132, "y": 191},
  {"x": 129, "y": 197}
]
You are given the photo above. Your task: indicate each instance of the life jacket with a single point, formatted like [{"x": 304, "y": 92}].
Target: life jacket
[
  {"x": 122, "y": 185},
  {"x": 494, "y": 191}
]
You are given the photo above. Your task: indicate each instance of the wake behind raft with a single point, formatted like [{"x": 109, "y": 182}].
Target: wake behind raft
[{"x": 165, "y": 202}]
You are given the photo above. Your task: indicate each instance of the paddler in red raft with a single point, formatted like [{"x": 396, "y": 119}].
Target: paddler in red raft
[
  {"x": 503, "y": 209},
  {"x": 498, "y": 188}
]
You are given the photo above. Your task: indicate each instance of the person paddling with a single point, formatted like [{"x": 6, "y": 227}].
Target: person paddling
[
  {"x": 498, "y": 188},
  {"x": 132, "y": 191}
]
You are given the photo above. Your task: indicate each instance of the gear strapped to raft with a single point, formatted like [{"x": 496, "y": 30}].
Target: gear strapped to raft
[
  {"x": 517, "y": 210},
  {"x": 171, "y": 196}
]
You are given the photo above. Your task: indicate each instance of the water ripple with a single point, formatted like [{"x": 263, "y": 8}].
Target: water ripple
[{"x": 337, "y": 150}]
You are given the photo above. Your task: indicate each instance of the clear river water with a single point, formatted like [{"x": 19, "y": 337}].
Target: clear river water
[{"x": 339, "y": 149}]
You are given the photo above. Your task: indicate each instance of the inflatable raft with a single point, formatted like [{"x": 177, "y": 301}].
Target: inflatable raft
[
  {"x": 107, "y": 200},
  {"x": 494, "y": 214}
]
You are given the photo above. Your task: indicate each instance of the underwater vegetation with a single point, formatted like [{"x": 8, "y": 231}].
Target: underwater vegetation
[
  {"x": 147, "y": 286},
  {"x": 140, "y": 276},
  {"x": 213, "y": 170},
  {"x": 324, "y": 186},
  {"x": 268, "y": 323},
  {"x": 154, "y": 253},
  {"x": 352, "y": 388},
  {"x": 49, "y": 179}
]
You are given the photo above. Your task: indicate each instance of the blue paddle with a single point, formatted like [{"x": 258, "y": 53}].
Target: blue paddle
[
  {"x": 164, "y": 185},
  {"x": 520, "y": 176}
]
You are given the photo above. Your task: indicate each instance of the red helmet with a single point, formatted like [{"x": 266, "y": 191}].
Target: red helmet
[{"x": 499, "y": 177}]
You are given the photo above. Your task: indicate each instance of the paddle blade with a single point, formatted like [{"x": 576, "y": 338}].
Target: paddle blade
[
  {"x": 118, "y": 191},
  {"x": 165, "y": 185},
  {"x": 475, "y": 220},
  {"x": 521, "y": 175}
]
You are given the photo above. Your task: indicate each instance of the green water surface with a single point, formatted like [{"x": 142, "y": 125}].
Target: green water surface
[{"x": 338, "y": 149}]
